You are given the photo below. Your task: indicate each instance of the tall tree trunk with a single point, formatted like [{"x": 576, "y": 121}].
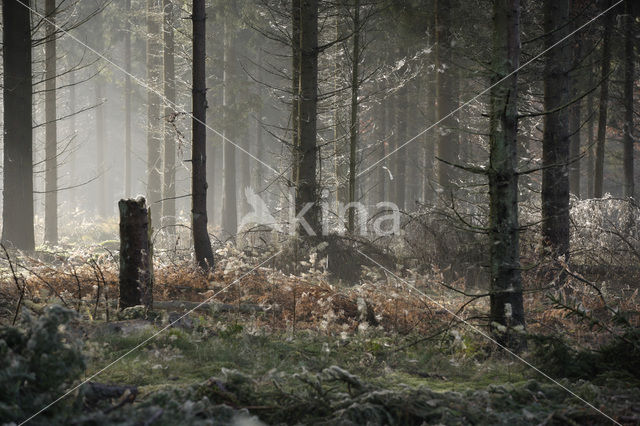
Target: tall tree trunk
[
  {"x": 382, "y": 175},
  {"x": 201, "y": 241},
  {"x": 51, "y": 143},
  {"x": 430, "y": 142},
  {"x": 575, "y": 112},
  {"x": 100, "y": 145},
  {"x": 506, "y": 284},
  {"x": 169, "y": 184},
  {"x": 127, "y": 105},
  {"x": 154, "y": 111},
  {"x": 17, "y": 213},
  {"x": 307, "y": 191},
  {"x": 354, "y": 127},
  {"x": 229, "y": 201},
  {"x": 73, "y": 158},
  {"x": 555, "y": 142},
  {"x": 591, "y": 141},
  {"x": 447, "y": 97},
  {"x": 629, "y": 61},
  {"x": 605, "y": 67},
  {"x": 400, "y": 157}
]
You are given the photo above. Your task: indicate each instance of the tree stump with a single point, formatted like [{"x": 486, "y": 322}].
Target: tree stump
[{"x": 136, "y": 254}]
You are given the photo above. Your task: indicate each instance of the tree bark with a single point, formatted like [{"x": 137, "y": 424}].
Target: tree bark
[
  {"x": 229, "y": 200},
  {"x": 154, "y": 110},
  {"x": 354, "y": 127},
  {"x": 555, "y": 142},
  {"x": 605, "y": 67},
  {"x": 447, "y": 96},
  {"x": 629, "y": 61},
  {"x": 575, "y": 112},
  {"x": 506, "y": 284},
  {"x": 136, "y": 254},
  {"x": 51, "y": 129},
  {"x": 17, "y": 213},
  {"x": 169, "y": 175},
  {"x": 201, "y": 241},
  {"x": 307, "y": 191}
]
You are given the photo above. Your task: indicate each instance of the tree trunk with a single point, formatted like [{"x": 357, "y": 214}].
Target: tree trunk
[
  {"x": 354, "y": 127},
  {"x": 575, "y": 112},
  {"x": 591, "y": 141},
  {"x": 555, "y": 142},
  {"x": 605, "y": 66},
  {"x": 17, "y": 213},
  {"x": 307, "y": 191},
  {"x": 136, "y": 254},
  {"x": 127, "y": 106},
  {"x": 169, "y": 186},
  {"x": 506, "y": 284},
  {"x": 154, "y": 110},
  {"x": 447, "y": 96},
  {"x": 229, "y": 200},
  {"x": 629, "y": 60},
  {"x": 400, "y": 157},
  {"x": 51, "y": 143},
  {"x": 382, "y": 175},
  {"x": 201, "y": 242},
  {"x": 100, "y": 146}
]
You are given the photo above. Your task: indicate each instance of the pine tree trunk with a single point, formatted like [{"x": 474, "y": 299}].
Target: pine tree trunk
[
  {"x": 506, "y": 285},
  {"x": 575, "y": 112},
  {"x": 169, "y": 175},
  {"x": 448, "y": 146},
  {"x": 307, "y": 191},
  {"x": 382, "y": 175},
  {"x": 229, "y": 200},
  {"x": 17, "y": 213},
  {"x": 605, "y": 67},
  {"x": 127, "y": 107},
  {"x": 51, "y": 130},
  {"x": 100, "y": 146},
  {"x": 591, "y": 141},
  {"x": 154, "y": 110},
  {"x": 354, "y": 127},
  {"x": 629, "y": 61},
  {"x": 555, "y": 143},
  {"x": 201, "y": 242},
  {"x": 400, "y": 157},
  {"x": 136, "y": 254}
]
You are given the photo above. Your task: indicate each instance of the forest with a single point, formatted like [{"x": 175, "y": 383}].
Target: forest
[{"x": 335, "y": 212}]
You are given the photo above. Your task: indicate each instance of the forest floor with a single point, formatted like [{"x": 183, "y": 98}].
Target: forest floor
[{"x": 275, "y": 348}]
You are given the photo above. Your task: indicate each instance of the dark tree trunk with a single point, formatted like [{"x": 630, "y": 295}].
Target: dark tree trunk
[
  {"x": 605, "y": 67},
  {"x": 154, "y": 110},
  {"x": 401, "y": 157},
  {"x": 229, "y": 200},
  {"x": 591, "y": 141},
  {"x": 307, "y": 191},
  {"x": 506, "y": 284},
  {"x": 127, "y": 106},
  {"x": 201, "y": 241},
  {"x": 17, "y": 213},
  {"x": 354, "y": 127},
  {"x": 136, "y": 254},
  {"x": 555, "y": 142},
  {"x": 447, "y": 96},
  {"x": 575, "y": 112},
  {"x": 629, "y": 61},
  {"x": 169, "y": 185},
  {"x": 51, "y": 144}
]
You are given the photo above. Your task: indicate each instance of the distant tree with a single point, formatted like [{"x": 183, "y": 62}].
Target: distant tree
[
  {"x": 128, "y": 113},
  {"x": 201, "y": 241},
  {"x": 17, "y": 213},
  {"x": 629, "y": 62},
  {"x": 169, "y": 166},
  {"x": 229, "y": 193},
  {"x": 506, "y": 284},
  {"x": 154, "y": 110}
]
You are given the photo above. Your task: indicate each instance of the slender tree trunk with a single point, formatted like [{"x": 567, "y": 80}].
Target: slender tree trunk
[
  {"x": 154, "y": 110},
  {"x": 100, "y": 145},
  {"x": 307, "y": 191},
  {"x": 17, "y": 212},
  {"x": 605, "y": 66},
  {"x": 575, "y": 112},
  {"x": 169, "y": 184},
  {"x": 354, "y": 126},
  {"x": 629, "y": 61},
  {"x": 506, "y": 284},
  {"x": 591, "y": 141},
  {"x": 430, "y": 142},
  {"x": 127, "y": 105},
  {"x": 51, "y": 144},
  {"x": 447, "y": 97},
  {"x": 201, "y": 242},
  {"x": 555, "y": 143},
  {"x": 73, "y": 159},
  {"x": 401, "y": 157},
  {"x": 229, "y": 201}
]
